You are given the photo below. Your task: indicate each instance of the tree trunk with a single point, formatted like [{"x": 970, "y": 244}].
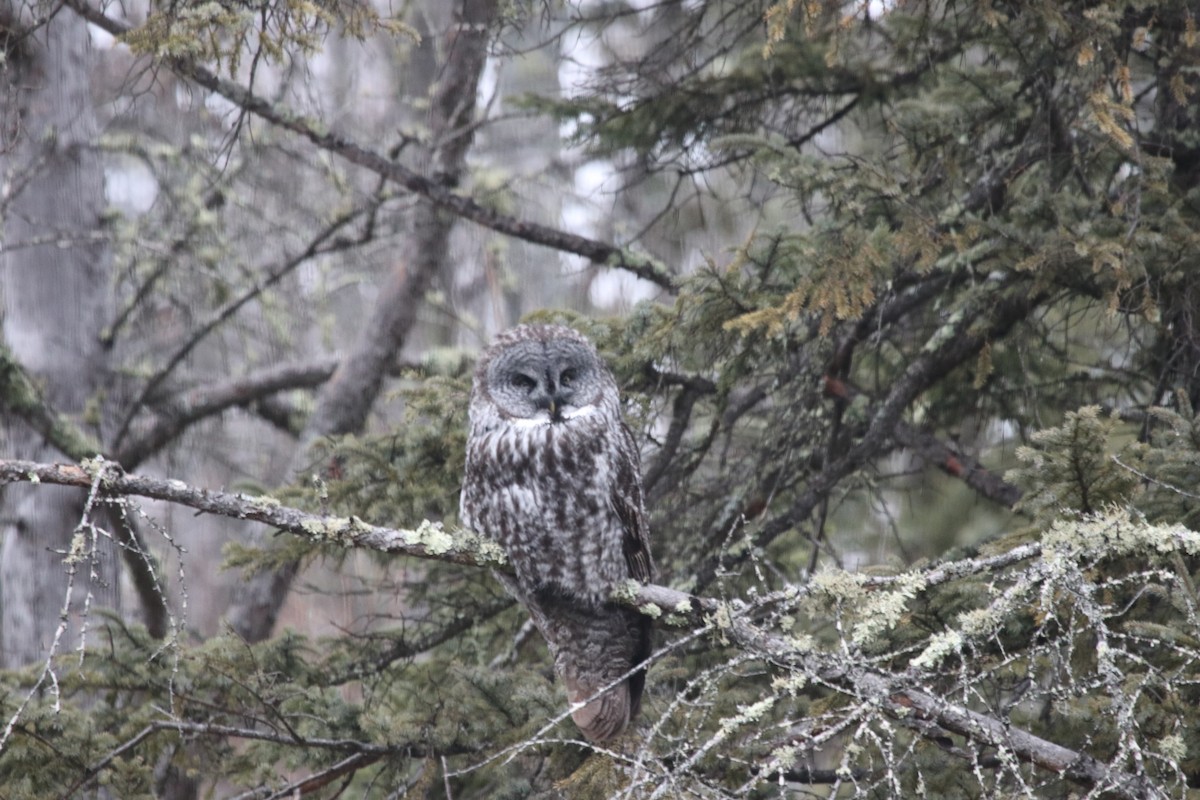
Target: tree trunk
[
  {"x": 55, "y": 284},
  {"x": 345, "y": 401}
]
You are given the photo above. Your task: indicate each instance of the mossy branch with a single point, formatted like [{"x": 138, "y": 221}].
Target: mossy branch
[{"x": 21, "y": 397}]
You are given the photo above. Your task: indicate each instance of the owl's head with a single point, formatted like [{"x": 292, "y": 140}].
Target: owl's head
[{"x": 542, "y": 374}]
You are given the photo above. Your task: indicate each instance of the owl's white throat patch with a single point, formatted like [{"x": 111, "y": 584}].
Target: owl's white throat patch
[{"x": 544, "y": 418}]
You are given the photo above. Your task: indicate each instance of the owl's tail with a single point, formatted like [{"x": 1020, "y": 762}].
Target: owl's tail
[
  {"x": 615, "y": 641},
  {"x": 595, "y": 645}
]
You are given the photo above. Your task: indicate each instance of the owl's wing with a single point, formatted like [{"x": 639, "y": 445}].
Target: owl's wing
[{"x": 627, "y": 501}]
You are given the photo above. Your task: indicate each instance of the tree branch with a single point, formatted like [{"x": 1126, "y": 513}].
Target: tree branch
[
  {"x": 315, "y": 247},
  {"x": 203, "y": 401},
  {"x": 429, "y": 540},
  {"x": 990, "y": 317},
  {"x": 644, "y": 266},
  {"x": 670, "y": 606},
  {"x": 958, "y": 464}
]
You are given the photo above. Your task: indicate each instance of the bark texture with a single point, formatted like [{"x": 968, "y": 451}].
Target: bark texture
[{"x": 55, "y": 284}]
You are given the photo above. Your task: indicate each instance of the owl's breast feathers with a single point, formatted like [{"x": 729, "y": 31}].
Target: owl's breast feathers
[{"x": 564, "y": 501}]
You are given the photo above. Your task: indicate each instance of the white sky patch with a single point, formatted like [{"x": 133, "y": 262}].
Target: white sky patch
[
  {"x": 620, "y": 289},
  {"x": 101, "y": 39},
  {"x": 129, "y": 185}
]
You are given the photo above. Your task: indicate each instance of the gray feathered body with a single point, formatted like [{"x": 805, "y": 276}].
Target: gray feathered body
[{"x": 552, "y": 474}]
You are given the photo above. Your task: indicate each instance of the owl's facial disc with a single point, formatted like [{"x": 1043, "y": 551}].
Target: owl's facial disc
[{"x": 540, "y": 385}]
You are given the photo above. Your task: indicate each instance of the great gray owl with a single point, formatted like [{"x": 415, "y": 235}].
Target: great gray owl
[{"x": 552, "y": 474}]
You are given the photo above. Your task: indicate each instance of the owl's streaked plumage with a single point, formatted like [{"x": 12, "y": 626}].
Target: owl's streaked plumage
[{"x": 552, "y": 474}]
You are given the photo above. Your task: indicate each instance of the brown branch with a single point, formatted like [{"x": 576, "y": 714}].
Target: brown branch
[
  {"x": 306, "y": 786},
  {"x": 948, "y": 458},
  {"x": 958, "y": 464},
  {"x": 432, "y": 190},
  {"x": 315, "y": 247},
  {"x": 182, "y": 410},
  {"x": 991, "y": 316}
]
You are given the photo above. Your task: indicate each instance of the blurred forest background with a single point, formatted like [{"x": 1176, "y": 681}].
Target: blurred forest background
[{"x": 903, "y": 297}]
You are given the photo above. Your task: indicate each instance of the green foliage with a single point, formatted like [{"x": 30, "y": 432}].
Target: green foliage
[
  {"x": 225, "y": 32},
  {"x": 1069, "y": 469}
]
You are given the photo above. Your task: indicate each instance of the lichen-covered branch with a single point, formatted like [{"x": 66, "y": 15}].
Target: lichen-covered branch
[
  {"x": 899, "y": 695},
  {"x": 428, "y": 540}
]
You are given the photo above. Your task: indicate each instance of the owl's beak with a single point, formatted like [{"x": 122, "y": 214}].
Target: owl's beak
[{"x": 552, "y": 404}]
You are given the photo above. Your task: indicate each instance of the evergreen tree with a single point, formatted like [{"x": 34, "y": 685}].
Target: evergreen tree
[{"x": 916, "y": 393}]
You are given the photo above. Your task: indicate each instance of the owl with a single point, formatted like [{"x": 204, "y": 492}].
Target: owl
[{"x": 553, "y": 475}]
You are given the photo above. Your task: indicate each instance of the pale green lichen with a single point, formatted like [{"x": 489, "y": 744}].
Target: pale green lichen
[
  {"x": 683, "y": 607},
  {"x": 839, "y": 585},
  {"x": 432, "y": 536},
  {"x": 332, "y": 528},
  {"x": 940, "y": 646},
  {"x": 723, "y": 617},
  {"x": 802, "y": 644},
  {"x": 79, "y": 548},
  {"x": 95, "y": 467},
  {"x": 746, "y": 714},
  {"x": 980, "y": 621},
  {"x": 33, "y": 478},
  {"x": 651, "y": 610},
  {"x": 1118, "y": 532},
  {"x": 313, "y": 527},
  {"x": 625, "y": 592},
  {"x": 489, "y": 552},
  {"x": 1173, "y": 748},
  {"x": 883, "y": 610},
  {"x": 791, "y": 683}
]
